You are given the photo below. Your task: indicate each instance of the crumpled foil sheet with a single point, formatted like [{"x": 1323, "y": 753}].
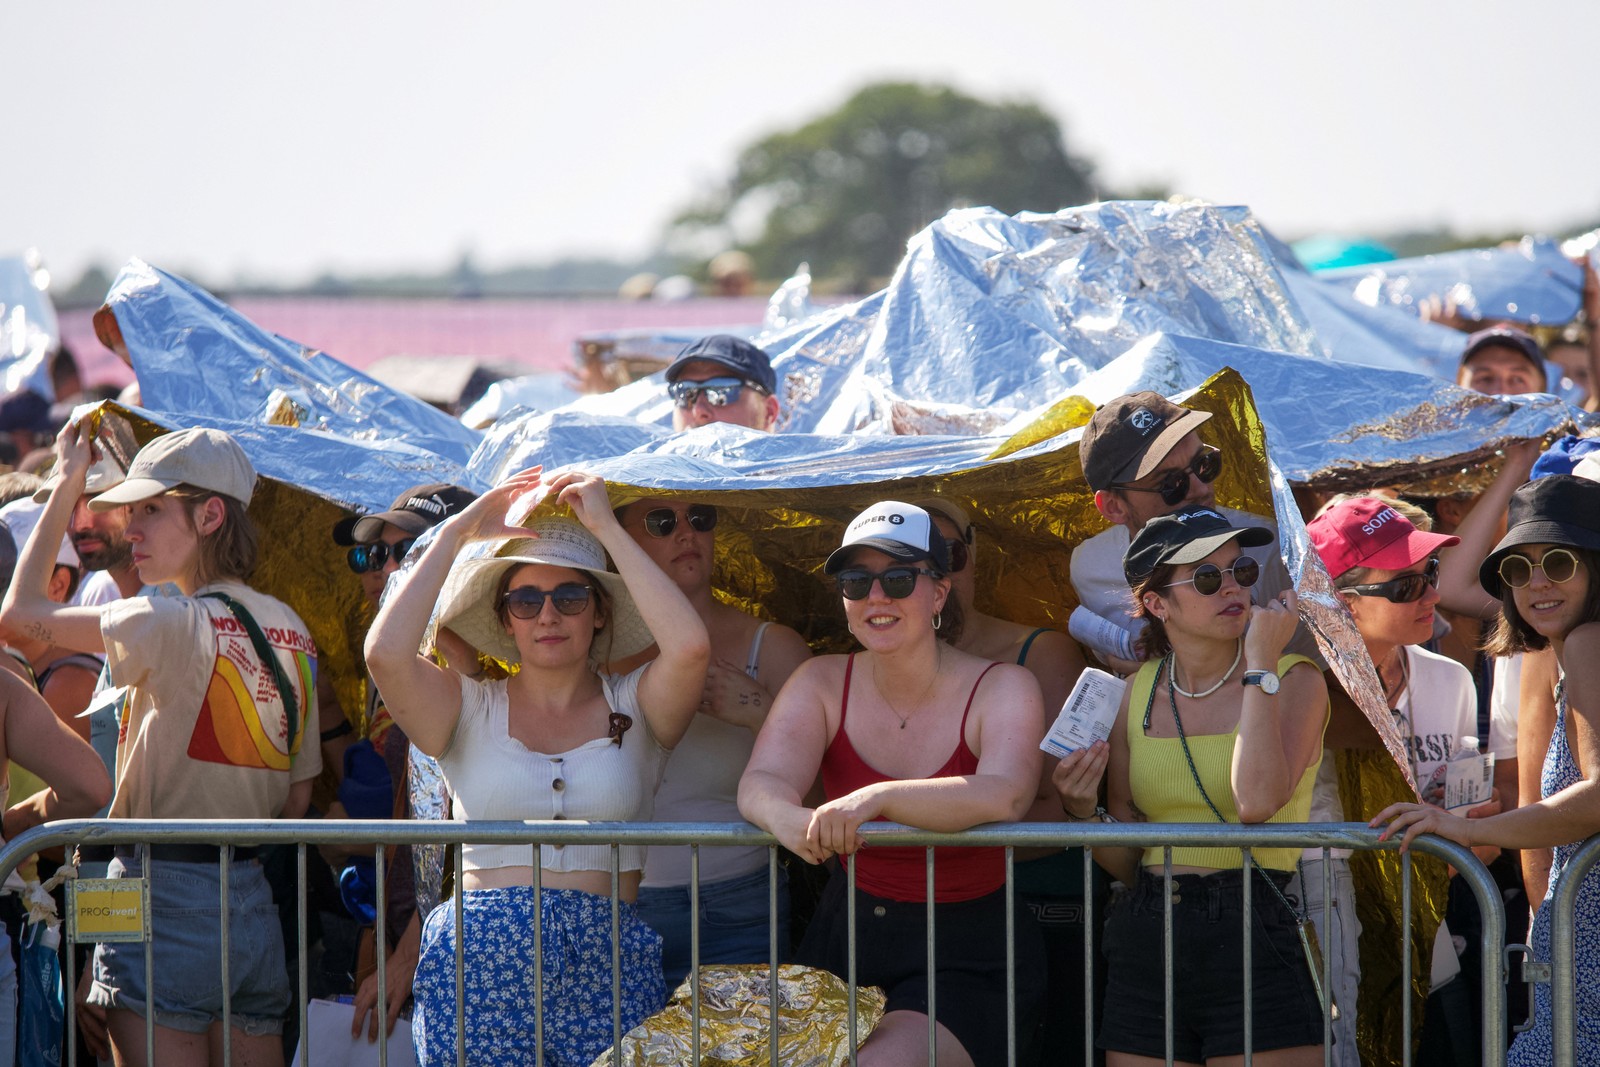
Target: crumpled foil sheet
[
  {"x": 1531, "y": 282},
  {"x": 193, "y": 353},
  {"x": 1334, "y": 426},
  {"x": 735, "y": 1021},
  {"x": 990, "y": 315},
  {"x": 29, "y": 330}
]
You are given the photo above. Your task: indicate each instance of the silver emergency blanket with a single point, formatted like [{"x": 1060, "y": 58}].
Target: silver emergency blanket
[
  {"x": 29, "y": 331},
  {"x": 1531, "y": 282},
  {"x": 991, "y": 315},
  {"x": 198, "y": 358}
]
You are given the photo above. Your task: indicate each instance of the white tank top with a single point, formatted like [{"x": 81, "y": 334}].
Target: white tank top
[{"x": 492, "y": 775}]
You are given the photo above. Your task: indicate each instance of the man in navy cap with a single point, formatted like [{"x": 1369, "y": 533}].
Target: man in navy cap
[
  {"x": 1502, "y": 361},
  {"x": 722, "y": 378}
]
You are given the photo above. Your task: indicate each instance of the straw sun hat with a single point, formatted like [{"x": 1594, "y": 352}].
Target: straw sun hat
[{"x": 467, "y": 602}]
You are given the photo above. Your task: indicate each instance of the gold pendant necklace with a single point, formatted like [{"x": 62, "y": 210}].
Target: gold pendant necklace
[{"x": 938, "y": 666}]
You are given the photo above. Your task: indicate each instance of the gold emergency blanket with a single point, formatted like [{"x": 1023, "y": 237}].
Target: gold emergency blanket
[{"x": 736, "y": 1019}]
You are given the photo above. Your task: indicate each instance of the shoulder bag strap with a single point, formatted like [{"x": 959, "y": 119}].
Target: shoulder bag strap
[{"x": 269, "y": 657}]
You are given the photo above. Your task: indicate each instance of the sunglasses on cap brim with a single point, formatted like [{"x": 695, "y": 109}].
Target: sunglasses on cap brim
[{"x": 1174, "y": 484}]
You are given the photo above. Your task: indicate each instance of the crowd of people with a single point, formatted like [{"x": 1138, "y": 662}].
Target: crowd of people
[{"x": 580, "y": 666}]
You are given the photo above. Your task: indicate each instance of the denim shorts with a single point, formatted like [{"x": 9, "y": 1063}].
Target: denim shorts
[
  {"x": 733, "y": 922},
  {"x": 1207, "y": 970},
  {"x": 186, "y": 925}
]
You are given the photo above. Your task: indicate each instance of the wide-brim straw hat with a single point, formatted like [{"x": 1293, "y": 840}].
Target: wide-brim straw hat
[{"x": 466, "y": 604}]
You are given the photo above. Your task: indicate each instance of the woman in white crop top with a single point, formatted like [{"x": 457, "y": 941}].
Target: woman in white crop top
[{"x": 556, "y": 740}]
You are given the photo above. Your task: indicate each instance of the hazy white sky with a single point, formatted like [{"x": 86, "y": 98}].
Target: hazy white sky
[{"x": 277, "y": 140}]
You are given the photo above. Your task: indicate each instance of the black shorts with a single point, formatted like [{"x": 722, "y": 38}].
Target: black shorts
[
  {"x": 970, "y": 961},
  {"x": 1207, "y": 970}
]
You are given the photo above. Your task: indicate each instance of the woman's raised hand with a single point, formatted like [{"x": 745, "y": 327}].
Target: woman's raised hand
[
  {"x": 1271, "y": 626},
  {"x": 486, "y": 517},
  {"x": 75, "y": 453},
  {"x": 586, "y": 495}
]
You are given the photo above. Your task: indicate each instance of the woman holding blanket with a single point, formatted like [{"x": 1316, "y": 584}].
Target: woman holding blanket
[
  {"x": 220, "y": 682},
  {"x": 1221, "y": 727},
  {"x": 556, "y": 740}
]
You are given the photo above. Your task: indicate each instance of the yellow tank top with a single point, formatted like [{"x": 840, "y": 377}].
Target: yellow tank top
[{"x": 1164, "y": 790}]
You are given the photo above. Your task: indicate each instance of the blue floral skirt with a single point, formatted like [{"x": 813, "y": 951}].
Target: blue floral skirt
[{"x": 502, "y": 982}]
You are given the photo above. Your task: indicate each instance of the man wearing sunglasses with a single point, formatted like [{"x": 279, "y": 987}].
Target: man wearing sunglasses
[
  {"x": 375, "y": 769},
  {"x": 750, "y": 661},
  {"x": 722, "y": 378},
  {"x": 1143, "y": 457}
]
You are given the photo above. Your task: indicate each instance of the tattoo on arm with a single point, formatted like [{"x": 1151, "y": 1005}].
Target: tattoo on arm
[{"x": 39, "y": 632}]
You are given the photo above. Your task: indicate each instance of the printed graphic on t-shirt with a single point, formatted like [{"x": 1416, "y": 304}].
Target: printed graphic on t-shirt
[{"x": 242, "y": 721}]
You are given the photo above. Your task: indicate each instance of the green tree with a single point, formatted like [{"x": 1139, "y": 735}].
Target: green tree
[{"x": 846, "y": 190}]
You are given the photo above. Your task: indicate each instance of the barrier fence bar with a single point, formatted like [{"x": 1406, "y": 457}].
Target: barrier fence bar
[
  {"x": 139, "y": 839},
  {"x": 1563, "y": 933}
]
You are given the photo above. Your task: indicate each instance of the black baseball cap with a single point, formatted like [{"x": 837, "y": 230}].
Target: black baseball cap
[
  {"x": 1186, "y": 536},
  {"x": 417, "y": 509},
  {"x": 1558, "y": 509},
  {"x": 741, "y": 357},
  {"x": 1130, "y": 436}
]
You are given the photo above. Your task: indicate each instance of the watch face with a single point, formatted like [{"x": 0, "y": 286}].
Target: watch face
[{"x": 1265, "y": 679}]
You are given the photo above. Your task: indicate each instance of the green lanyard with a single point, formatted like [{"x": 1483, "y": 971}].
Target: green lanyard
[{"x": 270, "y": 658}]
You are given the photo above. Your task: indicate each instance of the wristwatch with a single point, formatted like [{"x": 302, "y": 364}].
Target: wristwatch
[
  {"x": 1100, "y": 814},
  {"x": 1265, "y": 679}
]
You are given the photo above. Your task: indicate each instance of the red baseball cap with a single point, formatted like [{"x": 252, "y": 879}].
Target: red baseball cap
[{"x": 1366, "y": 531}]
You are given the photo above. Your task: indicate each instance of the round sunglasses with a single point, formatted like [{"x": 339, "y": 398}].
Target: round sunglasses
[
  {"x": 1405, "y": 589},
  {"x": 527, "y": 601},
  {"x": 719, "y": 392},
  {"x": 366, "y": 558},
  {"x": 1558, "y": 564},
  {"x": 897, "y": 582},
  {"x": 1207, "y": 578},
  {"x": 660, "y": 522},
  {"x": 958, "y": 554},
  {"x": 1174, "y": 484}
]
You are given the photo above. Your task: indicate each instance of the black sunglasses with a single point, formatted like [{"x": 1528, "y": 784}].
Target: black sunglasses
[
  {"x": 719, "y": 392},
  {"x": 1174, "y": 486},
  {"x": 364, "y": 558},
  {"x": 1558, "y": 564},
  {"x": 527, "y": 601},
  {"x": 1404, "y": 589},
  {"x": 660, "y": 522},
  {"x": 897, "y": 582},
  {"x": 1207, "y": 578}
]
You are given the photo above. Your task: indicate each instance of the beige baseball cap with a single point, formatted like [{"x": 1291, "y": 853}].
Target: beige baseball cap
[{"x": 202, "y": 457}]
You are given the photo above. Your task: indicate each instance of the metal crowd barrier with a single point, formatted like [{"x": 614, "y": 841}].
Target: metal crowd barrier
[
  {"x": 1563, "y": 933},
  {"x": 382, "y": 833}
]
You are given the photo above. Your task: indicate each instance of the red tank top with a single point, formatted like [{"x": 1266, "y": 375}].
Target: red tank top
[{"x": 960, "y": 873}]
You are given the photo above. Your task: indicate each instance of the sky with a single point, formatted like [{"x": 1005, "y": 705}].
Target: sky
[{"x": 277, "y": 141}]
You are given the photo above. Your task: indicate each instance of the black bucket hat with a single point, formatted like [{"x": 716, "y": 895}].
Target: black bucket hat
[
  {"x": 1186, "y": 536},
  {"x": 1559, "y": 509}
]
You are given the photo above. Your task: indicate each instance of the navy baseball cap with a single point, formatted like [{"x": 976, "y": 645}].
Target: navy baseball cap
[
  {"x": 1505, "y": 337},
  {"x": 741, "y": 357}
]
